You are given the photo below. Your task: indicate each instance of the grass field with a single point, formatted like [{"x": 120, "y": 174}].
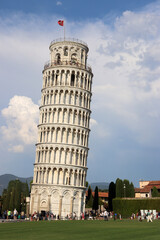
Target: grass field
[{"x": 77, "y": 230}]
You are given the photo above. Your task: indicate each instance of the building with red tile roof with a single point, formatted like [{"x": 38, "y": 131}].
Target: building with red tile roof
[
  {"x": 145, "y": 189},
  {"x": 103, "y": 195}
]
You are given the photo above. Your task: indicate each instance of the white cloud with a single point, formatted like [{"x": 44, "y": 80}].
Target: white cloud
[
  {"x": 93, "y": 122},
  {"x": 21, "y": 118},
  {"x": 58, "y": 3},
  {"x": 16, "y": 149},
  {"x": 126, "y": 65}
]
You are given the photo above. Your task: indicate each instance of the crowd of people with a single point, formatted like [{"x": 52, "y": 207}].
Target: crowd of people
[
  {"x": 36, "y": 216},
  {"x": 90, "y": 215},
  {"x": 147, "y": 214},
  {"x": 13, "y": 214}
]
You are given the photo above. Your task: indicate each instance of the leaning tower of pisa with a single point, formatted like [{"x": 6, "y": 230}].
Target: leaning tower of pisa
[{"x": 61, "y": 151}]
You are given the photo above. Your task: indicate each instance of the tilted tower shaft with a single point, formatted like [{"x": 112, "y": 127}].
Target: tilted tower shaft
[{"x": 60, "y": 168}]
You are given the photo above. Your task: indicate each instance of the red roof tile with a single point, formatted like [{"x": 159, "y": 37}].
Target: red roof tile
[
  {"x": 154, "y": 183},
  {"x": 100, "y": 194},
  {"x": 147, "y": 188},
  {"x": 137, "y": 190}
]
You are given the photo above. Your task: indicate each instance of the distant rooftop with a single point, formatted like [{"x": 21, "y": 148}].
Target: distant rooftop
[{"x": 68, "y": 40}]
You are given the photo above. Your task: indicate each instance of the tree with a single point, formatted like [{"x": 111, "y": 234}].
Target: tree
[
  {"x": 95, "y": 199},
  {"x": 132, "y": 190},
  {"x": 89, "y": 198},
  {"x": 124, "y": 188},
  {"x": 155, "y": 192},
  {"x": 26, "y": 189},
  {"x": 12, "y": 199},
  {"x": 17, "y": 203},
  {"x": 119, "y": 188},
  {"x": 14, "y": 196},
  {"x": 86, "y": 184},
  {"x": 112, "y": 194},
  {"x": 89, "y": 192},
  {"x": 4, "y": 200},
  {"x": 0, "y": 206}
]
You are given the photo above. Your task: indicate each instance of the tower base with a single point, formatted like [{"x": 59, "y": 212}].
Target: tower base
[{"x": 58, "y": 200}]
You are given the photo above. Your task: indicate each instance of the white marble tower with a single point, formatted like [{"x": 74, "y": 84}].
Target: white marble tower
[{"x": 61, "y": 151}]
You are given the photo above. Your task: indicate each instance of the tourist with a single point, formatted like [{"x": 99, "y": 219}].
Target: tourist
[
  {"x": 105, "y": 215},
  {"x": 9, "y": 214},
  {"x": 35, "y": 216},
  {"x": 149, "y": 216},
  {"x": 115, "y": 216},
  {"x": 74, "y": 216},
  {"x": 5, "y": 214},
  {"x": 139, "y": 216},
  {"x": 15, "y": 213}
]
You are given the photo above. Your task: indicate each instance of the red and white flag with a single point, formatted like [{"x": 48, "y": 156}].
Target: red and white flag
[{"x": 61, "y": 22}]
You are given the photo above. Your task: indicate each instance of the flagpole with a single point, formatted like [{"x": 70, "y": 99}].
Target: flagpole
[{"x": 64, "y": 30}]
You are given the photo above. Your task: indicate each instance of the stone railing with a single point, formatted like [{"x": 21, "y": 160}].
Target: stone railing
[
  {"x": 73, "y": 63},
  {"x": 68, "y": 40}
]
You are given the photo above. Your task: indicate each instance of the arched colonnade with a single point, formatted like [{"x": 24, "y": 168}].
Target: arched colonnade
[
  {"x": 65, "y": 115},
  {"x": 67, "y": 97},
  {"x": 67, "y": 77},
  {"x": 59, "y": 176},
  {"x": 70, "y": 135},
  {"x": 61, "y": 155}
]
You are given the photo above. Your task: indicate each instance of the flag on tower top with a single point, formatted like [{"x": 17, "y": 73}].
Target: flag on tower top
[{"x": 61, "y": 22}]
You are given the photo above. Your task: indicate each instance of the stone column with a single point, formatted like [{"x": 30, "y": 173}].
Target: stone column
[
  {"x": 36, "y": 158},
  {"x": 35, "y": 175},
  {"x": 60, "y": 207},
  {"x": 56, "y": 175},
  {"x": 38, "y": 203},
  {"x": 84, "y": 179},
  {"x": 38, "y": 176},
  {"x": 46, "y": 176},
  {"x": 72, "y": 178},
  {"x": 84, "y": 200},
  {"x": 77, "y": 179},
  {"x": 27, "y": 206},
  {"x": 71, "y": 206},
  {"x": 40, "y": 156},
  {"x": 49, "y": 202},
  {"x": 49, "y": 99},
  {"x": 79, "y": 209},
  {"x": 64, "y": 173},
  {"x": 31, "y": 205}
]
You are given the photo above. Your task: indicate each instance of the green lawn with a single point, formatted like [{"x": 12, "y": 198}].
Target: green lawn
[{"x": 77, "y": 230}]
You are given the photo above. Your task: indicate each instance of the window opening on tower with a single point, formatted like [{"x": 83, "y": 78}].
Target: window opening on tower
[
  {"x": 65, "y": 51},
  {"x": 52, "y": 78},
  {"x": 58, "y": 58},
  {"x": 72, "y": 79},
  {"x": 56, "y": 78},
  {"x": 81, "y": 56},
  {"x": 74, "y": 58}
]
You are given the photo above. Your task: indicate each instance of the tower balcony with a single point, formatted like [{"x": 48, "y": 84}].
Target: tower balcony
[
  {"x": 66, "y": 40},
  {"x": 72, "y": 63}
]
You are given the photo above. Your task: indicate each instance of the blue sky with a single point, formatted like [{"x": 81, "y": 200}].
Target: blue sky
[
  {"x": 124, "y": 42},
  {"x": 73, "y": 10}
]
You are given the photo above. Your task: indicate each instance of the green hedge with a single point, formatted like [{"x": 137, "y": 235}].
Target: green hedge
[{"x": 126, "y": 207}]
